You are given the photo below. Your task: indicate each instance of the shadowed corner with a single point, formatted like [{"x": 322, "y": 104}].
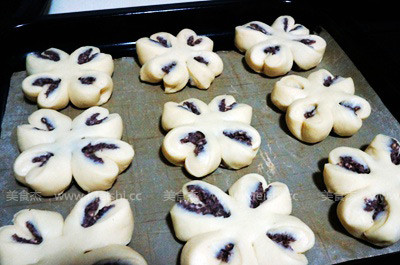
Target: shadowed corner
[
  {"x": 318, "y": 177},
  {"x": 168, "y": 220}
]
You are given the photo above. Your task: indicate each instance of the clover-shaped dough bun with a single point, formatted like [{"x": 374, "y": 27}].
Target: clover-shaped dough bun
[
  {"x": 273, "y": 49},
  {"x": 319, "y": 103},
  {"x": 176, "y": 60},
  {"x": 370, "y": 181},
  {"x": 55, "y": 148},
  {"x": 202, "y": 136},
  {"x": 55, "y": 78},
  {"x": 96, "y": 230},
  {"x": 251, "y": 225}
]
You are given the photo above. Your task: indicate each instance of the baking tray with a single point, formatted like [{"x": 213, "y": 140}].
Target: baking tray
[{"x": 150, "y": 181}]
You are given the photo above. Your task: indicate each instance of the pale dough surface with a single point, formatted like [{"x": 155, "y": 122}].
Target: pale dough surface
[
  {"x": 370, "y": 182},
  {"x": 202, "y": 136},
  {"x": 251, "y": 225},
  {"x": 96, "y": 230},
  {"x": 55, "y": 148},
  {"x": 55, "y": 78},
  {"x": 272, "y": 50},
  {"x": 178, "y": 60},
  {"x": 316, "y": 104}
]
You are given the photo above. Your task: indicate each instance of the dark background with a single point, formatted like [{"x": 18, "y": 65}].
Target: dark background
[{"x": 368, "y": 31}]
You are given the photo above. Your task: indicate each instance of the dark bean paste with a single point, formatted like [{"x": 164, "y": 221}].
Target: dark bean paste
[
  {"x": 329, "y": 80},
  {"x": 209, "y": 203},
  {"x": 307, "y": 42},
  {"x": 310, "y": 113},
  {"x": 93, "y": 214},
  {"x": 377, "y": 205},
  {"x": 224, "y": 108},
  {"x": 90, "y": 151},
  {"x": 166, "y": 69},
  {"x": 190, "y": 107},
  {"x": 296, "y": 28},
  {"x": 48, "y": 55},
  {"x": 272, "y": 50},
  {"x": 198, "y": 139},
  {"x": 225, "y": 253},
  {"x": 285, "y": 24},
  {"x": 259, "y": 196},
  {"x": 201, "y": 59},
  {"x": 163, "y": 42},
  {"x": 240, "y": 136},
  {"x": 43, "y": 159},
  {"x": 350, "y": 106},
  {"x": 192, "y": 42},
  {"x": 257, "y": 27},
  {"x": 92, "y": 120},
  {"x": 46, "y": 122},
  {"x": 37, "y": 237},
  {"x": 86, "y": 56},
  {"x": 87, "y": 80},
  {"x": 395, "y": 152},
  {"x": 53, "y": 84},
  {"x": 349, "y": 163},
  {"x": 283, "y": 239}
]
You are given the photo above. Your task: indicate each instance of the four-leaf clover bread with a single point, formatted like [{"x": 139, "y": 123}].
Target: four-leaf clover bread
[
  {"x": 251, "y": 225},
  {"x": 316, "y": 104},
  {"x": 55, "y": 78},
  {"x": 273, "y": 49},
  {"x": 95, "y": 232},
  {"x": 202, "y": 136},
  {"x": 370, "y": 181},
  {"x": 55, "y": 148},
  {"x": 176, "y": 60}
]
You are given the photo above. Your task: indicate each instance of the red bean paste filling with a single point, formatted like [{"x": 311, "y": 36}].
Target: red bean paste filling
[
  {"x": 87, "y": 80},
  {"x": 259, "y": 196},
  {"x": 225, "y": 253},
  {"x": 92, "y": 120},
  {"x": 349, "y": 163},
  {"x": 190, "y": 107},
  {"x": 257, "y": 27},
  {"x": 272, "y": 50},
  {"x": 209, "y": 203},
  {"x": 53, "y": 84},
  {"x": 307, "y": 42},
  {"x": 201, "y": 59},
  {"x": 328, "y": 81},
  {"x": 93, "y": 214},
  {"x": 46, "y": 122},
  {"x": 166, "y": 69},
  {"x": 285, "y": 24},
  {"x": 192, "y": 42},
  {"x": 395, "y": 152},
  {"x": 198, "y": 139},
  {"x": 296, "y": 28},
  {"x": 163, "y": 42},
  {"x": 86, "y": 56},
  {"x": 282, "y": 239},
  {"x": 90, "y": 151},
  {"x": 310, "y": 113},
  {"x": 49, "y": 55},
  {"x": 224, "y": 108},
  {"x": 43, "y": 159},
  {"x": 37, "y": 237},
  {"x": 240, "y": 136},
  {"x": 350, "y": 106},
  {"x": 377, "y": 205}
]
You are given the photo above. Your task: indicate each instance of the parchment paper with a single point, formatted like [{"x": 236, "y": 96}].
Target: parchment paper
[{"x": 151, "y": 183}]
